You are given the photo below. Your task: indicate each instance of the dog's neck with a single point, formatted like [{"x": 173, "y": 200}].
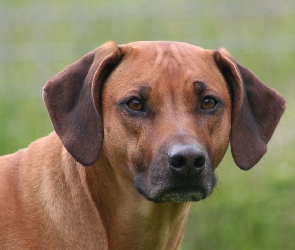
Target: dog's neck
[{"x": 131, "y": 221}]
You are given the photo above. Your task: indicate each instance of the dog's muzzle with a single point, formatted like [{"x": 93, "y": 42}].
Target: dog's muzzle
[{"x": 180, "y": 174}]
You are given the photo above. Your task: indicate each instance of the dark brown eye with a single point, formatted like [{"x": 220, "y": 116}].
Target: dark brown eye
[
  {"x": 208, "y": 103},
  {"x": 135, "y": 104}
]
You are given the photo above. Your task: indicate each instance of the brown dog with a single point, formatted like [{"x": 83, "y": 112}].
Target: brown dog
[{"x": 152, "y": 121}]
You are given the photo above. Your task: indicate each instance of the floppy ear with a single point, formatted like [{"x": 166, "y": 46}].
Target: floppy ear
[
  {"x": 257, "y": 110},
  {"x": 74, "y": 107}
]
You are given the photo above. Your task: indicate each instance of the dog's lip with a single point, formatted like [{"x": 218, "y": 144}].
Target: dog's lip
[{"x": 181, "y": 193}]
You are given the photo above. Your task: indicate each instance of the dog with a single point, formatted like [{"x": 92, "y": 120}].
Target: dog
[{"x": 139, "y": 130}]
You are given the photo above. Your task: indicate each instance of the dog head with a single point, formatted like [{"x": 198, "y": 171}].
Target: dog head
[{"x": 165, "y": 111}]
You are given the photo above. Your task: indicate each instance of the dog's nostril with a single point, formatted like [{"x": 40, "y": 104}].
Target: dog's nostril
[
  {"x": 177, "y": 161},
  {"x": 200, "y": 161}
]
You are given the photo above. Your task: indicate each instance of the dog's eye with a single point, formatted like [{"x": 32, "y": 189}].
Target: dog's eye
[
  {"x": 208, "y": 103},
  {"x": 135, "y": 104}
]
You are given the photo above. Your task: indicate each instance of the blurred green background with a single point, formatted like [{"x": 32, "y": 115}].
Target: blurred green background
[{"x": 248, "y": 210}]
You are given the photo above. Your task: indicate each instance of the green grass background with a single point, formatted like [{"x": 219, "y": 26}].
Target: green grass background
[{"x": 248, "y": 210}]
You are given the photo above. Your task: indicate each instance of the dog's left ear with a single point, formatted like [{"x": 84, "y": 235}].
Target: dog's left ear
[
  {"x": 257, "y": 110},
  {"x": 72, "y": 98}
]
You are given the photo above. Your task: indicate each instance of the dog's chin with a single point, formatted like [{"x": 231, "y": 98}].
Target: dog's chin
[{"x": 180, "y": 194}]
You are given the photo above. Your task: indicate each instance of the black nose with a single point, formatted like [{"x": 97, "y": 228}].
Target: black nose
[{"x": 186, "y": 160}]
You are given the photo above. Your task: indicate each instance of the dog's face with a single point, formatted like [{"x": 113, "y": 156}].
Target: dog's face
[
  {"x": 163, "y": 113},
  {"x": 169, "y": 124}
]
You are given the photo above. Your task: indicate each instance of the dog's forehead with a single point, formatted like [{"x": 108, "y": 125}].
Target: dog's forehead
[
  {"x": 166, "y": 62},
  {"x": 169, "y": 58},
  {"x": 163, "y": 51}
]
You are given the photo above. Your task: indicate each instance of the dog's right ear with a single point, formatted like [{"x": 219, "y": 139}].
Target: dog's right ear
[{"x": 72, "y": 98}]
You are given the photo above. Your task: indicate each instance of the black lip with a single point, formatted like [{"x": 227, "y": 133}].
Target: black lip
[{"x": 183, "y": 193}]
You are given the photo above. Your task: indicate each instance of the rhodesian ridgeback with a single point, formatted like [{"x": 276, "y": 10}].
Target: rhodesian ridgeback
[{"x": 139, "y": 131}]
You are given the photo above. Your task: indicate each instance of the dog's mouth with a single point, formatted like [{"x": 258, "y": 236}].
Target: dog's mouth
[{"x": 179, "y": 194}]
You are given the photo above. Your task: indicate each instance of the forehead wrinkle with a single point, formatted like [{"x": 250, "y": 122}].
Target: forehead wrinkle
[
  {"x": 176, "y": 53},
  {"x": 159, "y": 56},
  {"x": 168, "y": 57}
]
